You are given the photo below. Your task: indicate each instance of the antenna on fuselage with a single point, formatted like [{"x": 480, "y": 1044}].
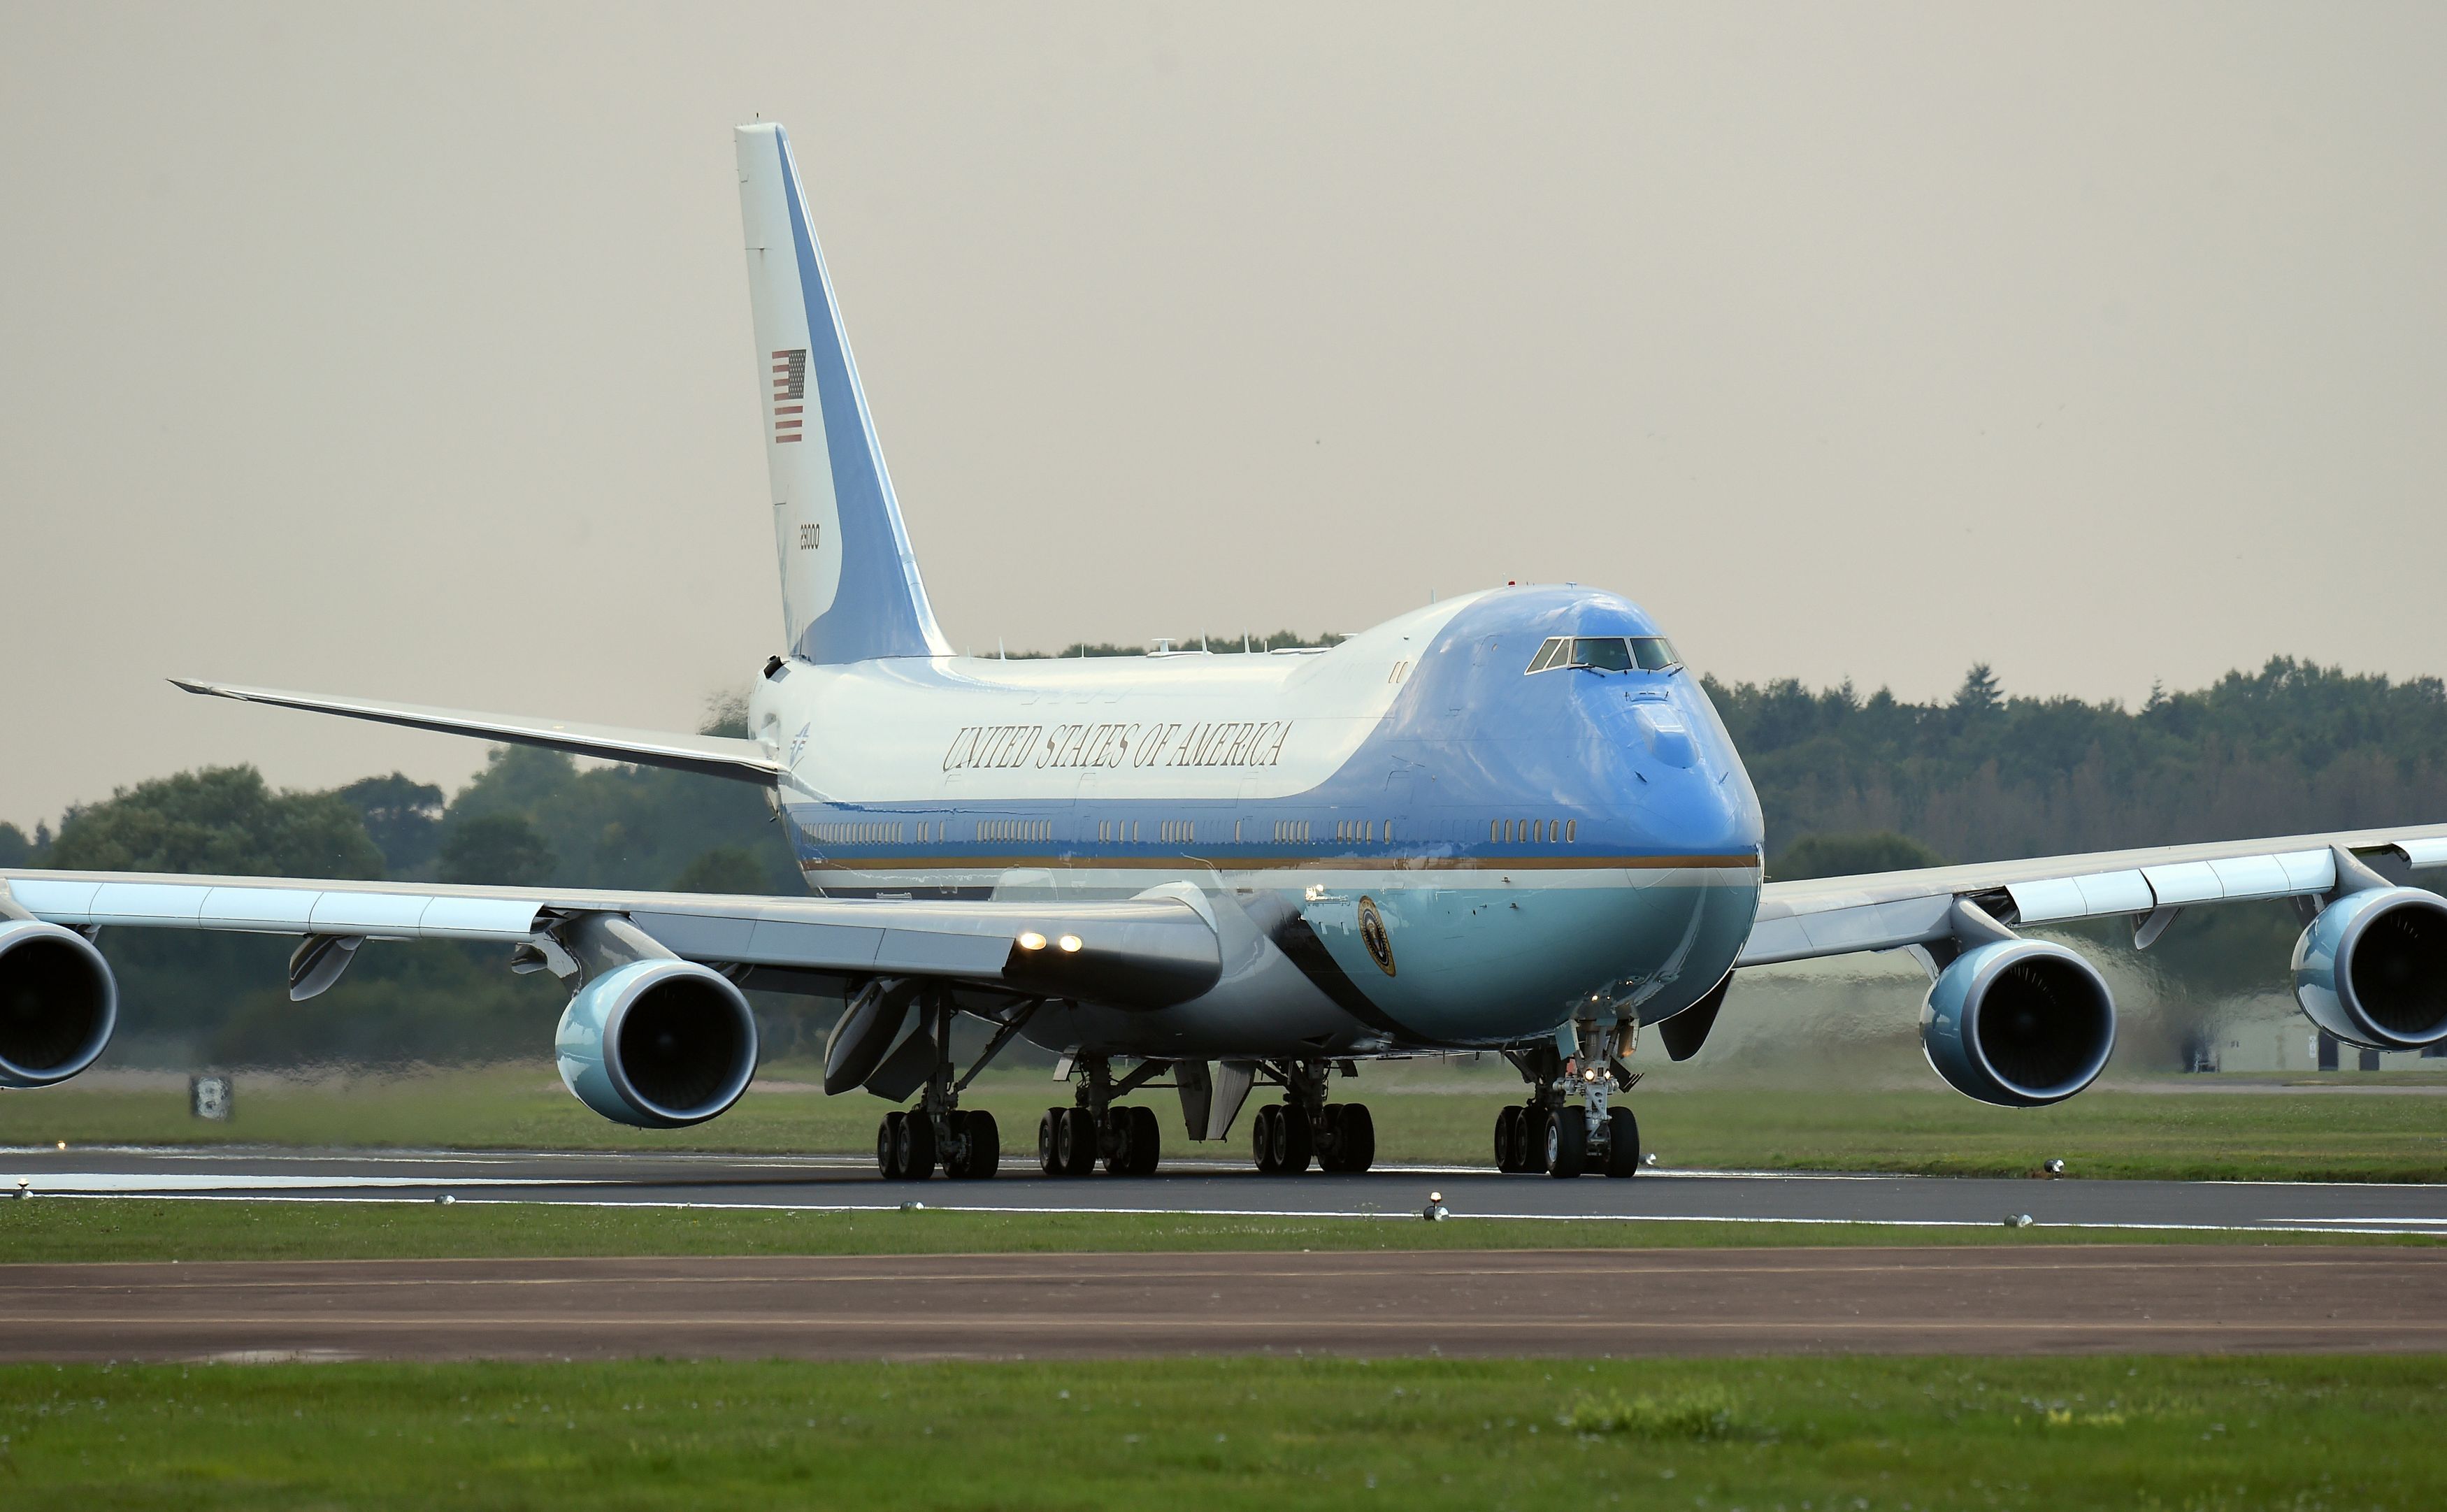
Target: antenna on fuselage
[{"x": 1000, "y": 655}]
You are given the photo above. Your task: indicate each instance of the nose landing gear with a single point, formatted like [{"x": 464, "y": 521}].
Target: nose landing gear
[{"x": 1553, "y": 1134}]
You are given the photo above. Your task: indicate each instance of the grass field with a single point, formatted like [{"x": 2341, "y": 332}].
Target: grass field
[
  {"x": 1421, "y": 1115},
  {"x": 1799, "y": 1434},
  {"x": 74, "y": 1229}
]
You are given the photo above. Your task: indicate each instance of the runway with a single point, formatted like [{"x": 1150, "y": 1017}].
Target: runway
[
  {"x": 2079, "y": 1299},
  {"x": 1189, "y": 1186}
]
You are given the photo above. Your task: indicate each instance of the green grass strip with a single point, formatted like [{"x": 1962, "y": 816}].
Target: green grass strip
[{"x": 1858, "y": 1434}]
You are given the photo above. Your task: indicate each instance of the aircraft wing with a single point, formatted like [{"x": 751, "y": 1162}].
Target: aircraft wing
[
  {"x": 1141, "y": 952},
  {"x": 709, "y": 755},
  {"x": 1836, "y": 916}
]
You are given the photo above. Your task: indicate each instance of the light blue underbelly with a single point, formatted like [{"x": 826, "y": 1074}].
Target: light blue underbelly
[{"x": 1478, "y": 957}]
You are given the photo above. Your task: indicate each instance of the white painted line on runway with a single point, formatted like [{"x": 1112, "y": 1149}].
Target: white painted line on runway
[
  {"x": 62, "y": 1183},
  {"x": 2295, "y": 1226}
]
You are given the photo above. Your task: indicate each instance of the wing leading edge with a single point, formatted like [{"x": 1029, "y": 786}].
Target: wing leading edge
[
  {"x": 1147, "y": 953},
  {"x": 708, "y": 755},
  {"x": 1837, "y": 915}
]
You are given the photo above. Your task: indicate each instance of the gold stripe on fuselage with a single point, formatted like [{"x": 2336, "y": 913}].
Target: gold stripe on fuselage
[{"x": 1278, "y": 863}]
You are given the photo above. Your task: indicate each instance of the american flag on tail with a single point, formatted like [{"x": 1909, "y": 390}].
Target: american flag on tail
[{"x": 789, "y": 392}]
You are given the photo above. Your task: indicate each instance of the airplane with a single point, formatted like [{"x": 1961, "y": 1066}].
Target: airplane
[{"x": 1509, "y": 822}]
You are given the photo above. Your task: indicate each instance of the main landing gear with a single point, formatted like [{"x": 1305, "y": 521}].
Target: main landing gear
[
  {"x": 1550, "y": 1133},
  {"x": 1069, "y": 1141},
  {"x": 964, "y": 1142},
  {"x": 1286, "y": 1136}
]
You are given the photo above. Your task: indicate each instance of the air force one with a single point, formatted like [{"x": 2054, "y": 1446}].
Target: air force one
[{"x": 1510, "y": 821}]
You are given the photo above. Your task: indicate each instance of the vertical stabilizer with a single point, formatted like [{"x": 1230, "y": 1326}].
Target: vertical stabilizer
[{"x": 849, "y": 583}]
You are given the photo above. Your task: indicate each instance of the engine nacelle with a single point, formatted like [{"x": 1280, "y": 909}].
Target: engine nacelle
[
  {"x": 2372, "y": 969},
  {"x": 2019, "y": 1022},
  {"x": 58, "y": 1003},
  {"x": 657, "y": 1044}
]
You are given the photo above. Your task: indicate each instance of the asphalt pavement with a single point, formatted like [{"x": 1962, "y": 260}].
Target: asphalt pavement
[{"x": 1193, "y": 1186}]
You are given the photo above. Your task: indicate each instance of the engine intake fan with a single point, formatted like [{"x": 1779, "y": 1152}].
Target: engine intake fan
[
  {"x": 2372, "y": 969},
  {"x": 2019, "y": 1022},
  {"x": 657, "y": 1044},
  {"x": 58, "y": 1003}
]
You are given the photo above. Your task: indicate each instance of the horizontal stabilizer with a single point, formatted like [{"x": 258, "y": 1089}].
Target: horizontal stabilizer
[{"x": 709, "y": 755}]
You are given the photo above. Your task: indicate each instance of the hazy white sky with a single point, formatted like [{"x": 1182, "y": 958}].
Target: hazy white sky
[{"x": 404, "y": 351}]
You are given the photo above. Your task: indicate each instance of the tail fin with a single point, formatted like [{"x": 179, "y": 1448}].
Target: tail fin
[{"x": 849, "y": 583}]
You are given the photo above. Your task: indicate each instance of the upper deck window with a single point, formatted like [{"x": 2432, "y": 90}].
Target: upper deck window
[{"x": 1608, "y": 653}]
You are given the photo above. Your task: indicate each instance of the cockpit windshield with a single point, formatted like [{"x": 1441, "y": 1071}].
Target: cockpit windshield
[{"x": 1608, "y": 653}]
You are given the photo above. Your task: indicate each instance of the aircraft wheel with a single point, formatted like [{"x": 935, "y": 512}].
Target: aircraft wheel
[
  {"x": 1262, "y": 1137},
  {"x": 914, "y": 1144},
  {"x": 1049, "y": 1142},
  {"x": 1078, "y": 1141},
  {"x": 1358, "y": 1137},
  {"x": 985, "y": 1146},
  {"x": 1146, "y": 1141},
  {"x": 1296, "y": 1146},
  {"x": 1567, "y": 1142},
  {"x": 955, "y": 1154},
  {"x": 887, "y": 1146},
  {"x": 1329, "y": 1150},
  {"x": 1531, "y": 1151},
  {"x": 1622, "y": 1143},
  {"x": 1123, "y": 1158},
  {"x": 1507, "y": 1138}
]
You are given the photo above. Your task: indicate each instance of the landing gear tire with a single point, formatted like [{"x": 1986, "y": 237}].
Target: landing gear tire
[
  {"x": 1567, "y": 1142},
  {"x": 976, "y": 1146},
  {"x": 1137, "y": 1141},
  {"x": 1077, "y": 1141},
  {"x": 1262, "y": 1137},
  {"x": 1507, "y": 1138},
  {"x": 1294, "y": 1145},
  {"x": 1146, "y": 1141},
  {"x": 913, "y": 1147},
  {"x": 1529, "y": 1134},
  {"x": 1049, "y": 1142},
  {"x": 1351, "y": 1139},
  {"x": 1622, "y": 1143},
  {"x": 887, "y": 1146}
]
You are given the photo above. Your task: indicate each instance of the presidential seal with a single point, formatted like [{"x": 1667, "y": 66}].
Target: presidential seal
[{"x": 1371, "y": 934}]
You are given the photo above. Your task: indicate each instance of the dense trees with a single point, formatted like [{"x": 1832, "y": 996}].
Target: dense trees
[{"x": 1984, "y": 775}]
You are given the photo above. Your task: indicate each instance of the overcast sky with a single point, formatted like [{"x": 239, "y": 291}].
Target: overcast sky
[{"x": 405, "y": 352}]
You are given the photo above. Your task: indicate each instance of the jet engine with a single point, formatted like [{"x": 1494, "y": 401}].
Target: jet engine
[
  {"x": 2019, "y": 1022},
  {"x": 2372, "y": 969},
  {"x": 58, "y": 1003},
  {"x": 657, "y": 1044}
]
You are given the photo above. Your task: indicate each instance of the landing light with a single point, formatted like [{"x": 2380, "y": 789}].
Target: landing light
[
  {"x": 1068, "y": 942},
  {"x": 1030, "y": 941}
]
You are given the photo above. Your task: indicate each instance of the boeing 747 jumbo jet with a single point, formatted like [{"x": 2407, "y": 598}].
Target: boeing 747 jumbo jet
[{"x": 1510, "y": 821}]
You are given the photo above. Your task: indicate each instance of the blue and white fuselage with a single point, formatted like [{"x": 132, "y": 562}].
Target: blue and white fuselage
[{"x": 1523, "y": 847}]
